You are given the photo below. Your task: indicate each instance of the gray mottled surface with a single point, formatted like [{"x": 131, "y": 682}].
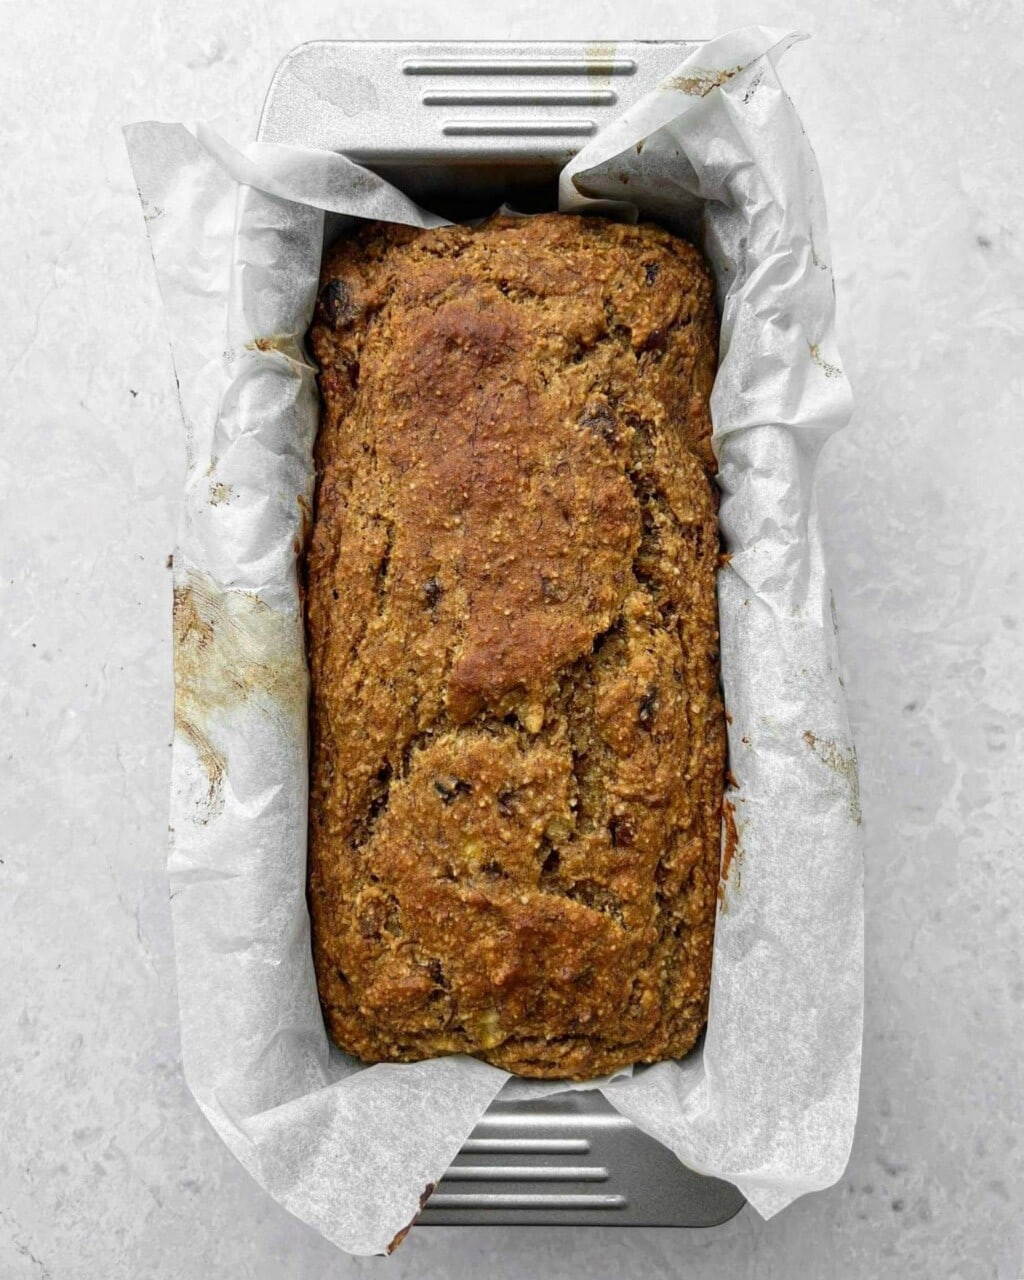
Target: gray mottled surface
[{"x": 106, "y": 1166}]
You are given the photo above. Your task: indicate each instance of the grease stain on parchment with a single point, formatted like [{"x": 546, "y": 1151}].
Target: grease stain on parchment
[
  {"x": 842, "y": 760},
  {"x": 231, "y": 650},
  {"x": 730, "y": 848},
  {"x": 820, "y": 263},
  {"x": 220, "y": 492},
  {"x": 425, "y": 1195},
  {"x": 755, "y": 84},
  {"x": 698, "y": 82},
  {"x": 282, "y": 344},
  {"x": 829, "y": 370}
]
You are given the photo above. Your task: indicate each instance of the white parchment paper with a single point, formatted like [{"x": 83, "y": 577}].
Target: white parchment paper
[{"x": 770, "y": 1101}]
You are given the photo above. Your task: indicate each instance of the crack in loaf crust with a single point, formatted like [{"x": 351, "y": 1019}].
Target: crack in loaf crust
[{"x": 517, "y": 734}]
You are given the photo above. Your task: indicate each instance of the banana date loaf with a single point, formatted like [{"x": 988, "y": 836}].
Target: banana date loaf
[{"x": 517, "y": 733}]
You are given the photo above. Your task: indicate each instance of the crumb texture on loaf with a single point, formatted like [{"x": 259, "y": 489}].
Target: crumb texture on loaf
[{"x": 517, "y": 734}]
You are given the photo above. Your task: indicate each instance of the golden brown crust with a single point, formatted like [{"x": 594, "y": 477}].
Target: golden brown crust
[{"x": 518, "y": 740}]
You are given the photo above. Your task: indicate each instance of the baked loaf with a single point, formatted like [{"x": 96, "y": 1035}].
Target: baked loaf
[{"x": 517, "y": 733}]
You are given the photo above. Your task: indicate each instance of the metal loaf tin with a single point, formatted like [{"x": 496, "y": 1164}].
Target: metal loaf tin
[{"x": 462, "y": 127}]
